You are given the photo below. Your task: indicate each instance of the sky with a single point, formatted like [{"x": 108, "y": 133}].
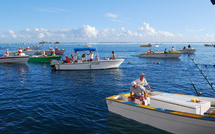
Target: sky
[{"x": 107, "y": 21}]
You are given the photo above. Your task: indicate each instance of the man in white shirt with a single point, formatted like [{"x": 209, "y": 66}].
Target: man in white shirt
[
  {"x": 139, "y": 93},
  {"x": 76, "y": 56},
  {"x": 91, "y": 55},
  {"x": 142, "y": 81}
]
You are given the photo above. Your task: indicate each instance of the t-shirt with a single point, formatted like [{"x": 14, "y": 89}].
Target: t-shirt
[
  {"x": 137, "y": 91},
  {"x": 76, "y": 56},
  {"x": 91, "y": 55},
  {"x": 143, "y": 82}
]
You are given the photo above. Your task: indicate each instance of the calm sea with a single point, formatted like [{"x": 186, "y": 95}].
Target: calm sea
[{"x": 36, "y": 99}]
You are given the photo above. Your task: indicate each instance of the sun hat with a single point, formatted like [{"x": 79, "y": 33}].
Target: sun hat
[
  {"x": 133, "y": 83},
  {"x": 142, "y": 74}
]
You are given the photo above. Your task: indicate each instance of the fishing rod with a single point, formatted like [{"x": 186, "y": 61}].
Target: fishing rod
[
  {"x": 200, "y": 70},
  {"x": 198, "y": 93}
]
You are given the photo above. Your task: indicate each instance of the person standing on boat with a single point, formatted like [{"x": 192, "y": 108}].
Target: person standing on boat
[
  {"x": 91, "y": 55},
  {"x": 142, "y": 82},
  {"x": 114, "y": 56},
  {"x": 72, "y": 58},
  {"x": 139, "y": 93},
  {"x": 76, "y": 56},
  {"x": 173, "y": 49}
]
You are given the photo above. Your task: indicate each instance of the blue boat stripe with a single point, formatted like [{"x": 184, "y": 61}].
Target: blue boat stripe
[
  {"x": 125, "y": 93},
  {"x": 210, "y": 118},
  {"x": 131, "y": 103},
  {"x": 164, "y": 110}
]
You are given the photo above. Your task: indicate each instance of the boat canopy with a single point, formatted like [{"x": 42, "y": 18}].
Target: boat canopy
[{"x": 84, "y": 49}]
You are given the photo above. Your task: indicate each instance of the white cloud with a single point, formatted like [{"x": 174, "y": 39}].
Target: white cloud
[
  {"x": 111, "y": 15},
  {"x": 12, "y": 33},
  {"x": 88, "y": 33}
]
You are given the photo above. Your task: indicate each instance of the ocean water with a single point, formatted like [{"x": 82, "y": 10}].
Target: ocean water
[{"x": 36, "y": 99}]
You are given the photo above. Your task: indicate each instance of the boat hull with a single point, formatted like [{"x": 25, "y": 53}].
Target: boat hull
[
  {"x": 93, "y": 65},
  {"x": 57, "y": 52},
  {"x": 14, "y": 59},
  {"x": 162, "y": 119},
  {"x": 187, "y": 51},
  {"x": 46, "y": 59},
  {"x": 160, "y": 55}
]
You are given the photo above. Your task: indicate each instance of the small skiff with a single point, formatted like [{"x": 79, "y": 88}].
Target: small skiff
[
  {"x": 57, "y": 52},
  {"x": 170, "y": 54},
  {"x": 149, "y": 45},
  {"x": 175, "y": 113},
  {"x": 187, "y": 50},
  {"x": 14, "y": 59},
  {"x": 29, "y": 52}
]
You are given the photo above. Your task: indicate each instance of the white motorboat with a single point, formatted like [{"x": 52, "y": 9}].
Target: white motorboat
[
  {"x": 187, "y": 50},
  {"x": 14, "y": 59},
  {"x": 175, "y": 113},
  {"x": 29, "y": 52},
  {"x": 84, "y": 64},
  {"x": 170, "y": 54}
]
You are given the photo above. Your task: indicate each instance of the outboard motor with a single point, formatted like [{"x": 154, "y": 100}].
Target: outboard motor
[{"x": 53, "y": 63}]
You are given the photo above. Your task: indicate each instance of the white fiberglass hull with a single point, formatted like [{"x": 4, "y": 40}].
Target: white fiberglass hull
[
  {"x": 161, "y": 55},
  {"x": 101, "y": 64},
  {"x": 187, "y": 51},
  {"x": 162, "y": 119},
  {"x": 30, "y": 53},
  {"x": 14, "y": 59}
]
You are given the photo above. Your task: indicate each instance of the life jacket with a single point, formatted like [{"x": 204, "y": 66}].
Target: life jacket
[
  {"x": 27, "y": 48},
  {"x": 19, "y": 51}
]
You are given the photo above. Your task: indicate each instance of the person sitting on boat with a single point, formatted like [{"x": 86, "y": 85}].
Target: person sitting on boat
[
  {"x": 173, "y": 49},
  {"x": 139, "y": 93},
  {"x": 56, "y": 48},
  {"x": 150, "y": 51},
  {"x": 76, "y": 56},
  {"x": 91, "y": 55},
  {"x": 20, "y": 52},
  {"x": 189, "y": 46},
  {"x": 67, "y": 60},
  {"x": 27, "y": 48},
  {"x": 165, "y": 51},
  {"x": 72, "y": 58},
  {"x": 184, "y": 47},
  {"x": 96, "y": 58},
  {"x": 114, "y": 56},
  {"x": 43, "y": 53},
  {"x": 6, "y": 53},
  {"x": 142, "y": 81},
  {"x": 84, "y": 57},
  {"x": 53, "y": 52}
]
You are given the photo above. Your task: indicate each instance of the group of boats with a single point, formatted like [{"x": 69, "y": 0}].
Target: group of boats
[
  {"x": 27, "y": 55},
  {"x": 53, "y": 58},
  {"x": 175, "y": 113}
]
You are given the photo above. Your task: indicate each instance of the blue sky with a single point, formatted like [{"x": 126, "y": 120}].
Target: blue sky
[{"x": 107, "y": 20}]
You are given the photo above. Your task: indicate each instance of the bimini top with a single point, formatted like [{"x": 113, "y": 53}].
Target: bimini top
[{"x": 84, "y": 49}]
